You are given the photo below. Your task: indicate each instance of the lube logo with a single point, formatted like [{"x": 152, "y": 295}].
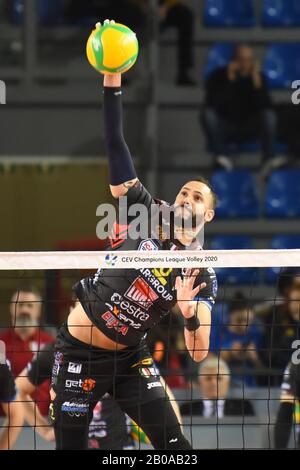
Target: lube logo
[{"x": 2, "y": 92}]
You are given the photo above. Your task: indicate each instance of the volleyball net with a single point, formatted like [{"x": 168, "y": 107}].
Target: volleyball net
[{"x": 229, "y": 400}]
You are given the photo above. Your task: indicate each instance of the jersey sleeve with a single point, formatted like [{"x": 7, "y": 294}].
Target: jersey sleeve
[
  {"x": 126, "y": 213},
  {"x": 7, "y": 384},
  {"x": 40, "y": 368},
  {"x": 209, "y": 293},
  {"x": 138, "y": 194}
]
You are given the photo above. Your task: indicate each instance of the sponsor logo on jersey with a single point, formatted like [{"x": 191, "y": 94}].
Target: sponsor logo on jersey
[
  {"x": 75, "y": 408},
  {"x": 125, "y": 306},
  {"x": 141, "y": 293},
  {"x": 148, "y": 361},
  {"x": 157, "y": 279},
  {"x": 147, "y": 245},
  {"x": 162, "y": 274},
  {"x": 87, "y": 384},
  {"x": 148, "y": 372},
  {"x": 74, "y": 368},
  {"x": 153, "y": 384},
  {"x": 73, "y": 383},
  {"x": 58, "y": 359},
  {"x": 112, "y": 322},
  {"x": 118, "y": 313}
]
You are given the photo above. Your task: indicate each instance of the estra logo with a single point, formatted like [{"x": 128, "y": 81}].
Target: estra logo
[{"x": 141, "y": 293}]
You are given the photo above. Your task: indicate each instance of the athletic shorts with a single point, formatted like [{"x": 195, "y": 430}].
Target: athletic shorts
[{"x": 82, "y": 374}]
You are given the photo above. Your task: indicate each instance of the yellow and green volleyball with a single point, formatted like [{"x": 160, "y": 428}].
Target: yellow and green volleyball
[{"x": 112, "y": 48}]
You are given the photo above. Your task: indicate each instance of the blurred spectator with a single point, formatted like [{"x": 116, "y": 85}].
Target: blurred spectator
[
  {"x": 281, "y": 325},
  {"x": 127, "y": 12},
  {"x": 289, "y": 401},
  {"x": 173, "y": 13},
  {"x": 214, "y": 383},
  {"x": 238, "y": 108},
  {"x": 238, "y": 340},
  {"x": 25, "y": 337}
]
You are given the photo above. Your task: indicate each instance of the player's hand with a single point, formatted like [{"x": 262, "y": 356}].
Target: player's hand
[
  {"x": 110, "y": 80},
  {"x": 232, "y": 70},
  {"x": 256, "y": 74},
  {"x": 186, "y": 292},
  {"x": 163, "y": 11}
]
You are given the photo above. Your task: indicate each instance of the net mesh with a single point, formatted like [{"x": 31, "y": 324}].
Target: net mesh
[{"x": 229, "y": 400}]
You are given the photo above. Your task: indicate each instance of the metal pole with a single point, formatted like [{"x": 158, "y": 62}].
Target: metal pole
[
  {"x": 30, "y": 40},
  {"x": 152, "y": 108}
]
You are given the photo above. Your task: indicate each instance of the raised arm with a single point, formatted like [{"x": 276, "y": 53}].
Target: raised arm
[
  {"x": 121, "y": 168},
  {"x": 197, "y": 315}
]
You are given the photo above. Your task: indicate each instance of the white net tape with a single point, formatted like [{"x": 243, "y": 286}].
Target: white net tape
[{"x": 148, "y": 259}]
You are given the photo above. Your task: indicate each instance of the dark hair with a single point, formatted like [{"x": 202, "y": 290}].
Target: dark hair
[
  {"x": 237, "y": 47},
  {"x": 28, "y": 289},
  {"x": 205, "y": 181},
  {"x": 286, "y": 279},
  {"x": 239, "y": 302}
]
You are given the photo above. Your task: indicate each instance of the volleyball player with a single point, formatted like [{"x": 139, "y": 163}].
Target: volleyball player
[
  {"x": 12, "y": 408},
  {"x": 289, "y": 402},
  {"x": 103, "y": 342}
]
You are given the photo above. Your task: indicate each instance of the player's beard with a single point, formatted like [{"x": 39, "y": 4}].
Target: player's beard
[{"x": 186, "y": 223}]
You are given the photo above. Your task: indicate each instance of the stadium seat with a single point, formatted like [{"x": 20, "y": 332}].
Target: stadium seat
[
  {"x": 281, "y": 242},
  {"x": 282, "y": 64},
  {"x": 281, "y": 13},
  {"x": 251, "y": 147},
  {"x": 223, "y": 13},
  {"x": 237, "y": 194},
  {"x": 283, "y": 194},
  {"x": 218, "y": 56},
  {"x": 234, "y": 275},
  {"x": 48, "y": 11}
]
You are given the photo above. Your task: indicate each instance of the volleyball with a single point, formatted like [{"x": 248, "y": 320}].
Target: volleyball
[{"x": 112, "y": 48}]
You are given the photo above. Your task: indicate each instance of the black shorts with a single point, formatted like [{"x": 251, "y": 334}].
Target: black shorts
[{"x": 83, "y": 374}]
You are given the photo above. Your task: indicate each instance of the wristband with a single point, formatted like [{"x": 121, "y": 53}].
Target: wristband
[{"x": 192, "y": 324}]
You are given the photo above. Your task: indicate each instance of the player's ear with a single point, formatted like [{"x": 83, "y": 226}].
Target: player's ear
[{"x": 209, "y": 215}]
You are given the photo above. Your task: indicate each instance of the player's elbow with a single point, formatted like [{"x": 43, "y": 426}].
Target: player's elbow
[
  {"x": 117, "y": 191},
  {"x": 199, "y": 356}
]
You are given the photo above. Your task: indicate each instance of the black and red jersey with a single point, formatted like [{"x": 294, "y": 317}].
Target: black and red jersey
[{"x": 125, "y": 303}]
